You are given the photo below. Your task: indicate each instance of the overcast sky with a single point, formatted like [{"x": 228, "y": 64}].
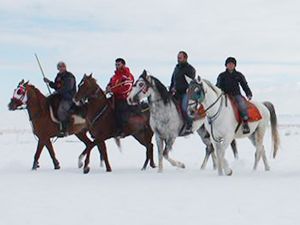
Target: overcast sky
[{"x": 263, "y": 35}]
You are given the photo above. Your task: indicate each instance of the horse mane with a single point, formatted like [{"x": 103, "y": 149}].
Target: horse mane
[
  {"x": 97, "y": 85},
  {"x": 213, "y": 87},
  {"x": 162, "y": 90},
  {"x": 41, "y": 98}
]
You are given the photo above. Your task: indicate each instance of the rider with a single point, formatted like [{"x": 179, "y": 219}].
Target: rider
[
  {"x": 121, "y": 85},
  {"x": 65, "y": 86},
  {"x": 229, "y": 82},
  {"x": 179, "y": 86}
]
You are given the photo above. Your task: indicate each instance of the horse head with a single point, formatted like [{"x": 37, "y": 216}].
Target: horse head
[
  {"x": 87, "y": 88},
  {"x": 19, "y": 98},
  {"x": 195, "y": 93},
  {"x": 141, "y": 89}
]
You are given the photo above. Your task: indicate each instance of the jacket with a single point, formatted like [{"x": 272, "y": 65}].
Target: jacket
[
  {"x": 178, "y": 80},
  {"x": 64, "y": 85},
  {"x": 121, "y": 83},
  {"x": 230, "y": 83}
]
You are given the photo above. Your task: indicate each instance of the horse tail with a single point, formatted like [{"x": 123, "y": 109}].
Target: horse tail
[
  {"x": 274, "y": 127},
  {"x": 118, "y": 142}
]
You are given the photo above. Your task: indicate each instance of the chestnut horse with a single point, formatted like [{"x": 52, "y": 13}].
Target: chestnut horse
[
  {"x": 44, "y": 125},
  {"x": 101, "y": 122}
]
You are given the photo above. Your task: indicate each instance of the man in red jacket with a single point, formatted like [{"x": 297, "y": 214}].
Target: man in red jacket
[{"x": 121, "y": 85}]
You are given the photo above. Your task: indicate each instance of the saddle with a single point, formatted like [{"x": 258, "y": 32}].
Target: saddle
[
  {"x": 76, "y": 113},
  {"x": 200, "y": 114},
  {"x": 253, "y": 112}
]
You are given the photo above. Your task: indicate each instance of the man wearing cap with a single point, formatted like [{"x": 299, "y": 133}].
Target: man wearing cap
[
  {"x": 65, "y": 86},
  {"x": 229, "y": 82}
]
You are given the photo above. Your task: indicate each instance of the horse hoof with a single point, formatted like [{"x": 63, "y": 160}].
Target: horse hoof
[
  {"x": 80, "y": 164},
  {"x": 57, "y": 167},
  {"x": 86, "y": 170},
  {"x": 267, "y": 168},
  {"x": 229, "y": 173},
  {"x": 182, "y": 166},
  {"x": 108, "y": 170},
  {"x": 143, "y": 169},
  {"x": 153, "y": 165},
  {"x": 35, "y": 166}
]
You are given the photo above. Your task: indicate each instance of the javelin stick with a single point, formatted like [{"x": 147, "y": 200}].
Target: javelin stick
[{"x": 38, "y": 61}]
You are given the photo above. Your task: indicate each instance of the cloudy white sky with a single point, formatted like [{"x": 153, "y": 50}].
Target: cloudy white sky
[{"x": 264, "y": 35}]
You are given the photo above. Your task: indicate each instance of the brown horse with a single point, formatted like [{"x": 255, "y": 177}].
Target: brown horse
[
  {"x": 102, "y": 125},
  {"x": 44, "y": 125}
]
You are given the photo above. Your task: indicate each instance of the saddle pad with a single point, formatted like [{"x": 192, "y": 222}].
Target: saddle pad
[{"x": 253, "y": 112}]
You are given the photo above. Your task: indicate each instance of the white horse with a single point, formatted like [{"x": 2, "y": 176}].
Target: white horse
[
  {"x": 223, "y": 127},
  {"x": 165, "y": 120}
]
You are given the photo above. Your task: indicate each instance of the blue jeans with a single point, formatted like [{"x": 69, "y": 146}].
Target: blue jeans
[
  {"x": 184, "y": 107},
  {"x": 241, "y": 102}
]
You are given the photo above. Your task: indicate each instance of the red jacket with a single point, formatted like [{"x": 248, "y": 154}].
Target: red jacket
[{"x": 121, "y": 83}]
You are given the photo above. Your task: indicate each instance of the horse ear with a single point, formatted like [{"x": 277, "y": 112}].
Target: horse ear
[
  {"x": 25, "y": 84},
  {"x": 84, "y": 75},
  {"x": 91, "y": 75},
  {"x": 198, "y": 79},
  {"x": 188, "y": 79},
  {"x": 144, "y": 74},
  {"x": 21, "y": 82}
]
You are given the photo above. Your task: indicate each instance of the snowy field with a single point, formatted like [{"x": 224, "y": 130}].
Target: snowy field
[{"x": 131, "y": 196}]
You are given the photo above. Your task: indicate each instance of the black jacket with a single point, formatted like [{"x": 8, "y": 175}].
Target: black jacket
[
  {"x": 65, "y": 85},
  {"x": 178, "y": 78},
  {"x": 230, "y": 83}
]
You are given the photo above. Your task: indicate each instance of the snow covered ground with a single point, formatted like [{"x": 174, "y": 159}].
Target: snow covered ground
[{"x": 131, "y": 196}]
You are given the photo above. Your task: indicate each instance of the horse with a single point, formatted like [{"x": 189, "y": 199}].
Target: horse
[
  {"x": 44, "y": 124},
  {"x": 223, "y": 126},
  {"x": 166, "y": 120},
  {"x": 101, "y": 121}
]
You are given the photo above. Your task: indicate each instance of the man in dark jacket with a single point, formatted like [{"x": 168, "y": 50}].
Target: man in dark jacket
[
  {"x": 179, "y": 86},
  {"x": 229, "y": 82},
  {"x": 65, "y": 86}
]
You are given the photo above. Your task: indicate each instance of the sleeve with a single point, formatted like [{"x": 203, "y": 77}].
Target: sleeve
[
  {"x": 244, "y": 84},
  {"x": 173, "y": 80},
  {"x": 52, "y": 85},
  {"x": 219, "y": 82},
  {"x": 191, "y": 73}
]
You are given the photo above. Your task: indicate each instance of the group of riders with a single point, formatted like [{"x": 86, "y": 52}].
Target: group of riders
[{"x": 121, "y": 83}]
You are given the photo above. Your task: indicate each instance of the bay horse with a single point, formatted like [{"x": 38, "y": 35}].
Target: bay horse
[
  {"x": 101, "y": 122},
  {"x": 166, "y": 120},
  {"x": 44, "y": 124},
  {"x": 223, "y": 126}
]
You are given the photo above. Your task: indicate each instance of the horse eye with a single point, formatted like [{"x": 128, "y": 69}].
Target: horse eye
[
  {"x": 141, "y": 84},
  {"x": 19, "y": 92}
]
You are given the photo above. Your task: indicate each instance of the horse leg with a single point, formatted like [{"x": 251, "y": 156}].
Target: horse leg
[
  {"x": 260, "y": 152},
  {"x": 234, "y": 149},
  {"x": 214, "y": 158},
  {"x": 267, "y": 167},
  {"x": 218, "y": 149},
  {"x": 88, "y": 146},
  {"x": 205, "y": 137},
  {"x": 173, "y": 162},
  {"x": 52, "y": 154},
  {"x": 102, "y": 147},
  {"x": 160, "y": 145},
  {"x": 207, "y": 154},
  {"x": 37, "y": 155},
  {"x": 145, "y": 138}
]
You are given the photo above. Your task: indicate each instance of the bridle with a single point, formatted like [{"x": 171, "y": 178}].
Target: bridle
[
  {"x": 95, "y": 95},
  {"x": 198, "y": 101}
]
